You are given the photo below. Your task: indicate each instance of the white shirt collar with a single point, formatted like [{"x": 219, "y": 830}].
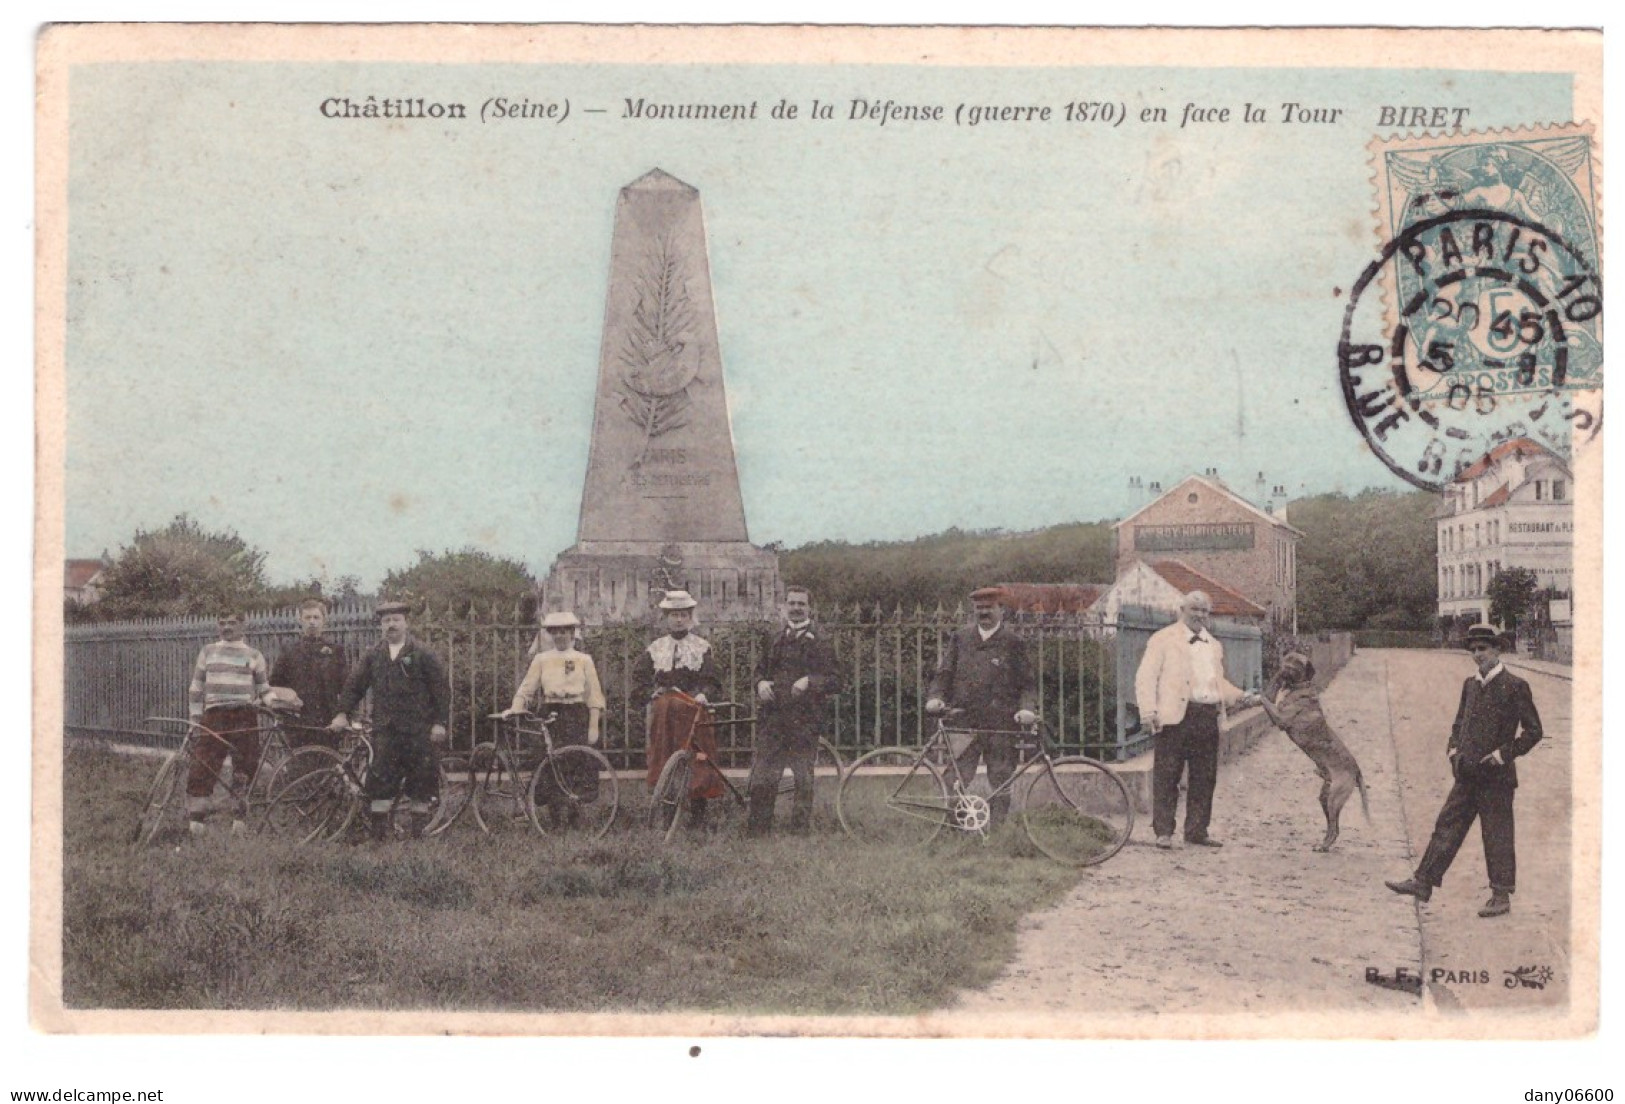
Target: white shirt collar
[
  {"x": 1484, "y": 679},
  {"x": 987, "y": 634}
]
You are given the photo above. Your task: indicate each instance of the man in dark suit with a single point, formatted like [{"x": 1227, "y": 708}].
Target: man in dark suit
[
  {"x": 313, "y": 667},
  {"x": 984, "y": 671},
  {"x": 411, "y": 701},
  {"x": 1486, "y": 738},
  {"x": 793, "y": 681}
]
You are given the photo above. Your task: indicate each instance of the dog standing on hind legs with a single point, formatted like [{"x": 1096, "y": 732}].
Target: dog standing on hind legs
[{"x": 1298, "y": 714}]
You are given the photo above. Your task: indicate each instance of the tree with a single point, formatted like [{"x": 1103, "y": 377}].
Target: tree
[
  {"x": 455, "y": 582},
  {"x": 182, "y": 569},
  {"x": 1367, "y": 562},
  {"x": 1512, "y": 591}
]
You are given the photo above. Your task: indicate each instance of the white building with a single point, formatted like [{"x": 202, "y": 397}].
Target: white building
[{"x": 1514, "y": 507}]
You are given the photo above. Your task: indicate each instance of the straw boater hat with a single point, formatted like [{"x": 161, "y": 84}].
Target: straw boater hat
[
  {"x": 988, "y": 594},
  {"x": 1485, "y": 634},
  {"x": 678, "y": 600},
  {"x": 560, "y": 619},
  {"x": 390, "y": 607}
]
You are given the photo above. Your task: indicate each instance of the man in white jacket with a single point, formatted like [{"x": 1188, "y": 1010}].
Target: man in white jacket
[{"x": 1180, "y": 688}]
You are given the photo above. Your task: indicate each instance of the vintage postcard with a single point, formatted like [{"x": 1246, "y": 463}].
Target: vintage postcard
[{"x": 913, "y": 532}]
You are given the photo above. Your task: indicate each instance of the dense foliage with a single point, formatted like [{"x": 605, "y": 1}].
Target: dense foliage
[
  {"x": 1512, "y": 595},
  {"x": 183, "y": 569},
  {"x": 945, "y": 567},
  {"x": 458, "y": 582},
  {"x": 1367, "y": 561}
]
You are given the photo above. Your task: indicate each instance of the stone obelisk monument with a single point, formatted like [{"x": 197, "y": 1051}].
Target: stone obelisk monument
[{"x": 661, "y": 509}]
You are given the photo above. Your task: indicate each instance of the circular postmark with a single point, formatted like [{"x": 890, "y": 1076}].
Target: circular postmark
[{"x": 1491, "y": 331}]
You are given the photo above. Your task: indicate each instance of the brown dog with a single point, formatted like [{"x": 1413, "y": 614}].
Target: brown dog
[{"x": 1297, "y": 712}]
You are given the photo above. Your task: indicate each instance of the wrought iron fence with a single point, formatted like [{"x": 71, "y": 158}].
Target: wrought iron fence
[{"x": 117, "y": 674}]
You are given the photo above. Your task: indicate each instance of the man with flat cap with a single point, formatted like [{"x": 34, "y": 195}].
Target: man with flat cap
[
  {"x": 410, "y": 704},
  {"x": 984, "y": 671},
  {"x": 1496, "y": 722},
  {"x": 679, "y": 677}
]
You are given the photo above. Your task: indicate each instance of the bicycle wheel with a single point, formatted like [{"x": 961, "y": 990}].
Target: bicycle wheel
[
  {"x": 456, "y": 794},
  {"x": 164, "y": 811},
  {"x": 1076, "y": 810},
  {"x": 312, "y": 805},
  {"x": 296, "y": 765},
  {"x": 670, "y": 793},
  {"x": 892, "y": 797},
  {"x": 573, "y": 790},
  {"x": 828, "y": 767},
  {"x": 499, "y": 793},
  {"x": 274, "y": 755}
]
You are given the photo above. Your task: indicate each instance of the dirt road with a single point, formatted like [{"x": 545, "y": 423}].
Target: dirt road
[{"x": 1265, "y": 925}]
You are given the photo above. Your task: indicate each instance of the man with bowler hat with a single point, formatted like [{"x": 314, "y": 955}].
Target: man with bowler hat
[
  {"x": 410, "y": 703},
  {"x": 1495, "y": 723}
]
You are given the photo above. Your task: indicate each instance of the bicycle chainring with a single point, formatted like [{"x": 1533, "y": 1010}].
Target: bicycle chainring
[{"x": 971, "y": 813}]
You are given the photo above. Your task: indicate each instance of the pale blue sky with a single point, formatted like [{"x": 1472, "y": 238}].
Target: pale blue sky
[{"x": 350, "y": 340}]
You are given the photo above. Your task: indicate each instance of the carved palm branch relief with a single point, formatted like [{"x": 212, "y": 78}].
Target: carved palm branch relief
[{"x": 658, "y": 356}]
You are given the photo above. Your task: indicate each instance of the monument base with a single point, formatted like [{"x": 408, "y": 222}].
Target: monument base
[{"x": 608, "y": 582}]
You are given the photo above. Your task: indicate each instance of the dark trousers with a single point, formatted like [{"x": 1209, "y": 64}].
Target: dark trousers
[
  {"x": 1194, "y": 741},
  {"x": 775, "y": 752},
  {"x": 1000, "y": 753},
  {"x": 402, "y": 758},
  {"x": 238, "y": 729},
  {"x": 1492, "y": 805}
]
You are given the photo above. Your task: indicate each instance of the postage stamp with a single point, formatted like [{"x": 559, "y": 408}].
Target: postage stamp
[
  {"x": 687, "y": 532},
  {"x": 1485, "y": 321}
]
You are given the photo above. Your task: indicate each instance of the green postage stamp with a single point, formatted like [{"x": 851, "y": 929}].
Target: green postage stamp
[{"x": 737, "y": 531}]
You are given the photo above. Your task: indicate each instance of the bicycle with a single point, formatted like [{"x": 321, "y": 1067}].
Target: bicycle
[
  {"x": 318, "y": 793},
  {"x": 672, "y": 791},
  {"x": 166, "y": 797},
  {"x": 1074, "y": 809},
  {"x": 521, "y": 775}
]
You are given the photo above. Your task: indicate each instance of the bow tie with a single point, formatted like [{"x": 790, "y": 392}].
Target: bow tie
[{"x": 1196, "y": 638}]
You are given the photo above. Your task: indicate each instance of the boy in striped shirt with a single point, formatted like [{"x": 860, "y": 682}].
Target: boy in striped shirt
[{"x": 227, "y": 680}]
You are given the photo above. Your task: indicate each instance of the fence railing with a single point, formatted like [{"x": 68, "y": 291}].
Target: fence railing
[{"x": 118, "y": 673}]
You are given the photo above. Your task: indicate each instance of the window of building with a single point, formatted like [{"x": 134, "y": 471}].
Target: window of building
[
  {"x": 1540, "y": 490},
  {"x": 1560, "y": 490},
  {"x": 1191, "y": 498}
]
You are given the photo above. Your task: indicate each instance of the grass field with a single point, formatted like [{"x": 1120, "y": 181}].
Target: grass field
[{"x": 468, "y": 922}]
